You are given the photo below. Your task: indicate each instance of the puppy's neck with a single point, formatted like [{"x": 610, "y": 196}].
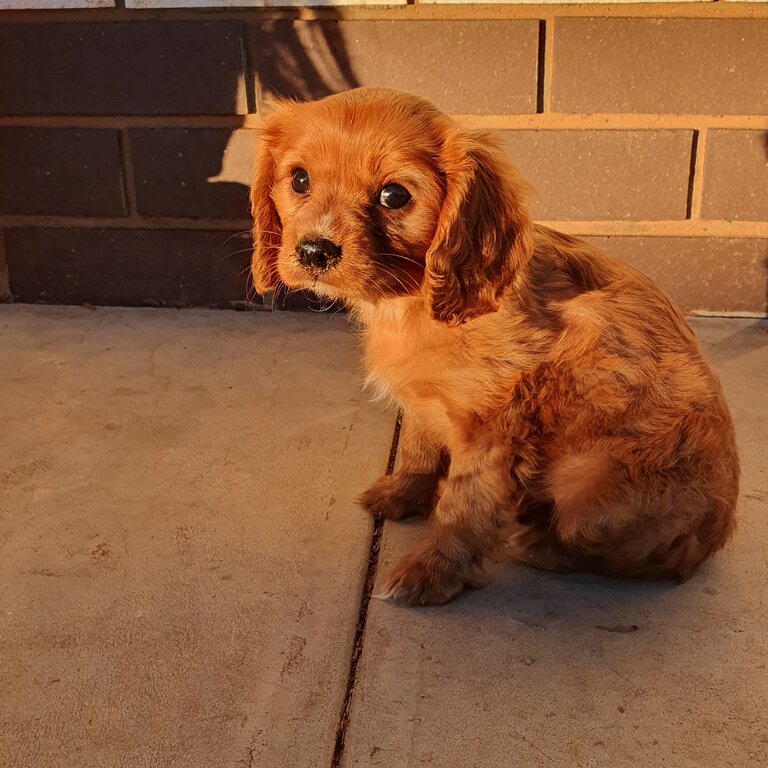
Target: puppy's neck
[{"x": 390, "y": 314}]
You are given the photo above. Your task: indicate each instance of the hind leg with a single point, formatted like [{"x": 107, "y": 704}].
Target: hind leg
[
  {"x": 664, "y": 529},
  {"x": 539, "y": 548}
]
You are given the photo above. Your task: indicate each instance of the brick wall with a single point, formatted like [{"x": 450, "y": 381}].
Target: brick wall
[{"x": 126, "y": 135}]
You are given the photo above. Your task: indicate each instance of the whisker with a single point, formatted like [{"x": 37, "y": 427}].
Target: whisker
[
  {"x": 414, "y": 285},
  {"x": 237, "y": 234},
  {"x": 325, "y": 308},
  {"x": 399, "y": 256},
  {"x": 234, "y": 253}
]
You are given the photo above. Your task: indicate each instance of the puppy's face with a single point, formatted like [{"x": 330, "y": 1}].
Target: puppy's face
[
  {"x": 357, "y": 193},
  {"x": 372, "y": 194}
]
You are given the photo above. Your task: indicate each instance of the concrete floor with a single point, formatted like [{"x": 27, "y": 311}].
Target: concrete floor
[{"x": 182, "y": 565}]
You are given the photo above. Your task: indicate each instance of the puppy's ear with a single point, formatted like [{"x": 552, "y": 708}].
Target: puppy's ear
[
  {"x": 267, "y": 228},
  {"x": 483, "y": 231}
]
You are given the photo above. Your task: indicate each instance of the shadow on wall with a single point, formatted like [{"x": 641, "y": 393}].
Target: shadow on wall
[
  {"x": 293, "y": 59},
  {"x": 290, "y": 59},
  {"x": 301, "y": 60}
]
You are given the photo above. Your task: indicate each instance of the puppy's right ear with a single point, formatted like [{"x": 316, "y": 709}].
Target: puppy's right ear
[{"x": 267, "y": 228}]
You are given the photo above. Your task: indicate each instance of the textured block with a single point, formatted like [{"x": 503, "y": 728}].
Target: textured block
[
  {"x": 5, "y": 287},
  {"x": 482, "y": 67},
  {"x": 130, "y": 267},
  {"x": 544, "y": 2},
  {"x": 736, "y": 176},
  {"x": 137, "y": 67},
  {"x": 660, "y": 65},
  {"x": 700, "y": 273},
  {"x": 9, "y": 5},
  {"x": 63, "y": 171},
  {"x": 604, "y": 174},
  {"x": 253, "y": 3},
  {"x": 192, "y": 172}
]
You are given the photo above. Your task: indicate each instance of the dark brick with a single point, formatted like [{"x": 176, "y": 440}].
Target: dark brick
[
  {"x": 601, "y": 174},
  {"x": 700, "y": 273},
  {"x": 174, "y": 171},
  {"x": 736, "y": 175},
  {"x": 5, "y": 288},
  {"x": 137, "y": 67},
  {"x": 63, "y": 171},
  {"x": 129, "y": 267},
  {"x": 474, "y": 66},
  {"x": 709, "y": 66}
]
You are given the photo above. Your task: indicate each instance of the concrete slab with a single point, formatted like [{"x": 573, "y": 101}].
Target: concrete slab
[
  {"x": 181, "y": 559},
  {"x": 551, "y": 670}
]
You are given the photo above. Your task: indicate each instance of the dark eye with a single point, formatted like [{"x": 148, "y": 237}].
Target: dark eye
[
  {"x": 300, "y": 181},
  {"x": 394, "y": 196}
]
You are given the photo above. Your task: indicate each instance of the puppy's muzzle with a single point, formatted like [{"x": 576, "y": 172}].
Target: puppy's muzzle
[{"x": 317, "y": 253}]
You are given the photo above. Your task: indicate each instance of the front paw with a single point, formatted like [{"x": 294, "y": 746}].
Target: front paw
[
  {"x": 426, "y": 577},
  {"x": 396, "y": 496}
]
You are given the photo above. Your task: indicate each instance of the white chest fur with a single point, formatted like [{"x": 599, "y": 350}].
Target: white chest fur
[{"x": 416, "y": 362}]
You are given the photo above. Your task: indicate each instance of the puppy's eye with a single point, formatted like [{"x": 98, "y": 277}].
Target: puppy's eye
[
  {"x": 394, "y": 196},
  {"x": 300, "y": 181}
]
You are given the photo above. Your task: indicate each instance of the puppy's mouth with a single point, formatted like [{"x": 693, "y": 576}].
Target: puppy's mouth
[
  {"x": 321, "y": 265},
  {"x": 315, "y": 283}
]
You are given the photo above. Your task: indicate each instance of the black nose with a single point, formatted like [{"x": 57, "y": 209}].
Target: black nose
[{"x": 318, "y": 253}]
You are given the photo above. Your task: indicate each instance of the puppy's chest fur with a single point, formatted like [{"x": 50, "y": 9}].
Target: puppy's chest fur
[{"x": 433, "y": 372}]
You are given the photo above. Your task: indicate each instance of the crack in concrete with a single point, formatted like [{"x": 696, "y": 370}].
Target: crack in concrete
[{"x": 365, "y": 599}]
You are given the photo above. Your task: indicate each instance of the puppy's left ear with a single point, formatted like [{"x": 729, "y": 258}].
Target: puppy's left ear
[
  {"x": 483, "y": 232},
  {"x": 267, "y": 228}
]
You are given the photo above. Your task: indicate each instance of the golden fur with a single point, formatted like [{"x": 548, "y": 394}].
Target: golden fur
[{"x": 555, "y": 402}]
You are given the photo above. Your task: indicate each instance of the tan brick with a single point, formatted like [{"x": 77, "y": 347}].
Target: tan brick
[
  {"x": 736, "y": 175},
  {"x": 601, "y": 174},
  {"x": 700, "y": 273},
  {"x": 474, "y": 66},
  {"x": 661, "y": 65}
]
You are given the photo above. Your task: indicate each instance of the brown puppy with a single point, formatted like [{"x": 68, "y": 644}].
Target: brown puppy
[{"x": 559, "y": 393}]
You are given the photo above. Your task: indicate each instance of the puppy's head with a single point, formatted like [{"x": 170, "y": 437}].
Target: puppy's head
[{"x": 372, "y": 194}]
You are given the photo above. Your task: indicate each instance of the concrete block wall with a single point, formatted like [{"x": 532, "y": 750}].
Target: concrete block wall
[{"x": 126, "y": 136}]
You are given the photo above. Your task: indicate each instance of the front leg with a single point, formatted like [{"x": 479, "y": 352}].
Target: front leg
[
  {"x": 482, "y": 492},
  {"x": 410, "y": 490}
]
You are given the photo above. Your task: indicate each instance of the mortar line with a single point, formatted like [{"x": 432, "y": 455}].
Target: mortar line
[
  {"x": 120, "y": 222},
  {"x": 6, "y": 297},
  {"x": 129, "y": 186},
  {"x": 365, "y": 599},
  {"x": 533, "y": 120},
  {"x": 249, "y": 80},
  {"x": 616, "y": 228},
  {"x": 697, "y": 175},
  {"x": 548, "y": 65},
  {"x": 417, "y": 11},
  {"x": 692, "y": 174},
  {"x": 541, "y": 52}
]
